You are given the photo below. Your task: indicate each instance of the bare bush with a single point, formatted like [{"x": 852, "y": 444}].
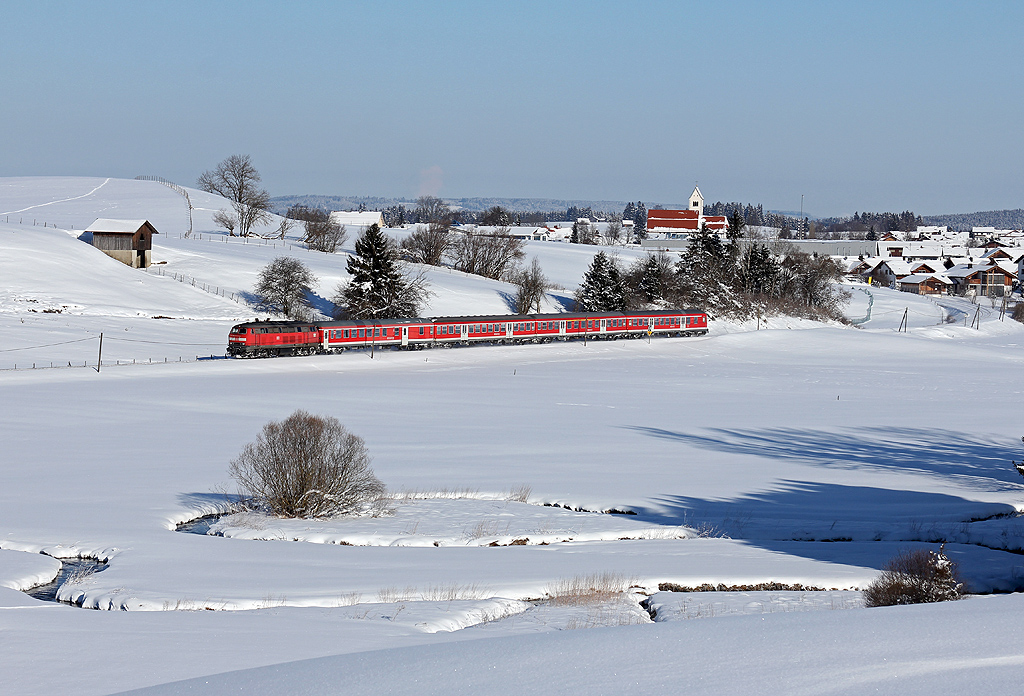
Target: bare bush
[
  {"x": 915, "y": 577},
  {"x": 307, "y": 466},
  {"x": 491, "y": 255}
]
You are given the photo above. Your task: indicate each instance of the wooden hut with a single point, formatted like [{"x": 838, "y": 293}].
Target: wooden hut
[{"x": 128, "y": 241}]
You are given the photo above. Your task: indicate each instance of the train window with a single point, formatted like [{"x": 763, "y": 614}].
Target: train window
[
  {"x": 421, "y": 331},
  {"x": 346, "y": 333}
]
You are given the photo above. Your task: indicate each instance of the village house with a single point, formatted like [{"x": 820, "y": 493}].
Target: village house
[
  {"x": 984, "y": 279},
  {"x": 925, "y": 284},
  {"x": 358, "y": 221}
]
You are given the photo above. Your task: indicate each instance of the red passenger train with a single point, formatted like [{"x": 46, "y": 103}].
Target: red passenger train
[{"x": 268, "y": 338}]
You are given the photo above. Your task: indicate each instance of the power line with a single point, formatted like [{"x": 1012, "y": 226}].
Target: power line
[{"x": 64, "y": 343}]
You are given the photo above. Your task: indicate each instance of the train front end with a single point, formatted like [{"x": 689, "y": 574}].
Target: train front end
[{"x": 241, "y": 340}]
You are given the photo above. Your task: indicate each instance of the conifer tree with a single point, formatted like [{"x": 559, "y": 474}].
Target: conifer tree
[
  {"x": 379, "y": 288},
  {"x": 705, "y": 271},
  {"x": 602, "y": 288},
  {"x": 640, "y": 223}
]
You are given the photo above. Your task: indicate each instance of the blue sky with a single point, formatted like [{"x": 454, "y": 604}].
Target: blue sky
[{"x": 856, "y": 106}]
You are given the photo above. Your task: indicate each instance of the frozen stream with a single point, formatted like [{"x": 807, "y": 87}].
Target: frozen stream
[{"x": 71, "y": 570}]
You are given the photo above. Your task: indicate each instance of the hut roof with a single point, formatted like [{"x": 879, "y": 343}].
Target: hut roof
[{"x": 109, "y": 226}]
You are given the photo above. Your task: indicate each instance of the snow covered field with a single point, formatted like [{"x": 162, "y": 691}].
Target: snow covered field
[{"x": 799, "y": 454}]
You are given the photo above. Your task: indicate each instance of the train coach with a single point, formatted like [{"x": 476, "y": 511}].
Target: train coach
[{"x": 269, "y": 338}]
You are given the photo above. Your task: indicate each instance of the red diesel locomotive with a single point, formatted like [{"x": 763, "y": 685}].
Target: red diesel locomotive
[{"x": 268, "y": 338}]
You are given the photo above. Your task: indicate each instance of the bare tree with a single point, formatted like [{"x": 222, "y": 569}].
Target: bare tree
[
  {"x": 530, "y": 286},
  {"x": 432, "y": 210},
  {"x": 307, "y": 466},
  {"x": 228, "y": 221},
  {"x": 496, "y": 216},
  {"x": 284, "y": 228},
  {"x": 236, "y": 179},
  {"x": 321, "y": 233},
  {"x": 283, "y": 284},
  {"x": 490, "y": 255},
  {"x": 427, "y": 244},
  {"x": 613, "y": 231}
]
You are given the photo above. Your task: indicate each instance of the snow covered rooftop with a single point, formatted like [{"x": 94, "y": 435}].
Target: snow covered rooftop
[
  {"x": 112, "y": 226},
  {"x": 357, "y": 218}
]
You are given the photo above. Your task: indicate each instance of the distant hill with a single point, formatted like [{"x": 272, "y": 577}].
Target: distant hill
[
  {"x": 1000, "y": 219},
  {"x": 529, "y": 205}
]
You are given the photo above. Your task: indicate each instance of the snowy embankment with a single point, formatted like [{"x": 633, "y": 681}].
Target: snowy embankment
[
  {"x": 956, "y": 648},
  {"x": 820, "y": 450}
]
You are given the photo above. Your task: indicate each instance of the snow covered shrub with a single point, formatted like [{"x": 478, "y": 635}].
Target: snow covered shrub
[
  {"x": 307, "y": 466},
  {"x": 915, "y": 577}
]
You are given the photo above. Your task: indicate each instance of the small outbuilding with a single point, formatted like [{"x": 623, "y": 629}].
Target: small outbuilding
[{"x": 128, "y": 241}]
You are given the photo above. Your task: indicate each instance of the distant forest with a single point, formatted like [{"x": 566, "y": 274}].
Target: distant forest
[
  {"x": 535, "y": 211},
  {"x": 534, "y": 208},
  {"x": 1000, "y": 219}
]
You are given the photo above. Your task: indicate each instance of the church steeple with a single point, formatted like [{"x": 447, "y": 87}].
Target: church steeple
[{"x": 697, "y": 202}]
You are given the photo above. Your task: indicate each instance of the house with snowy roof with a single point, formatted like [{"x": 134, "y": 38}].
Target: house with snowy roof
[
  {"x": 984, "y": 279},
  {"x": 887, "y": 271},
  {"x": 925, "y": 284},
  {"x": 358, "y": 221},
  {"x": 128, "y": 241}
]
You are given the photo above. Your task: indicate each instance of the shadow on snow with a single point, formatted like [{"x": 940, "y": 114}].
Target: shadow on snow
[{"x": 965, "y": 460}]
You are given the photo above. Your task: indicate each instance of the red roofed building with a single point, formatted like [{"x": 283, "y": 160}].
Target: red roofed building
[{"x": 685, "y": 221}]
